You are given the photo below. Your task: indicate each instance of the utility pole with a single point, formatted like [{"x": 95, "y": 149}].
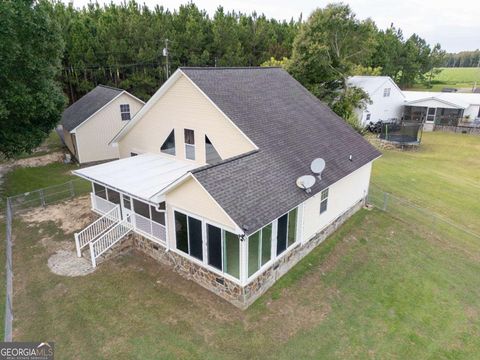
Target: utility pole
[{"x": 165, "y": 54}]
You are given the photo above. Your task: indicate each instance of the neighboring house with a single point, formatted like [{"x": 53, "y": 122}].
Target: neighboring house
[
  {"x": 90, "y": 123},
  {"x": 387, "y": 98},
  {"x": 207, "y": 179},
  {"x": 440, "y": 108}
]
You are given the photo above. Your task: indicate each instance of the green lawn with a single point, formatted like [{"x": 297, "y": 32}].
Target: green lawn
[
  {"x": 460, "y": 78},
  {"x": 381, "y": 287},
  {"x": 443, "y": 176}
]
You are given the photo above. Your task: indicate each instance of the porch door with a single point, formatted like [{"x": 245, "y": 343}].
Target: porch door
[
  {"x": 431, "y": 114},
  {"x": 127, "y": 211}
]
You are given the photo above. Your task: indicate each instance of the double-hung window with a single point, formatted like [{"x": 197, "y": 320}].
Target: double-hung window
[
  {"x": 189, "y": 144},
  {"x": 386, "y": 92},
  {"x": 125, "y": 111},
  {"x": 323, "y": 200}
]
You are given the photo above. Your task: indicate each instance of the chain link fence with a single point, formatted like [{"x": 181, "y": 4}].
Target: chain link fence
[
  {"x": 28, "y": 200},
  {"x": 416, "y": 216}
]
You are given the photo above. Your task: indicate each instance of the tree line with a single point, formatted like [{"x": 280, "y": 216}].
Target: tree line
[
  {"x": 122, "y": 45},
  {"x": 463, "y": 59}
]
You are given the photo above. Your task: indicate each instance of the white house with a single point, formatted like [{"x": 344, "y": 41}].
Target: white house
[
  {"x": 386, "y": 98},
  {"x": 207, "y": 179},
  {"x": 91, "y": 122}
]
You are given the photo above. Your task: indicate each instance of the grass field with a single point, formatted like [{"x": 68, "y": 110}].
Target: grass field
[
  {"x": 379, "y": 288},
  {"x": 460, "y": 78}
]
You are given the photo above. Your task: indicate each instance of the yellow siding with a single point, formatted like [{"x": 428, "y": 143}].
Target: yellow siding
[
  {"x": 342, "y": 195},
  {"x": 192, "y": 198},
  {"x": 94, "y": 135},
  {"x": 69, "y": 142},
  {"x": 183, "y": 106}
]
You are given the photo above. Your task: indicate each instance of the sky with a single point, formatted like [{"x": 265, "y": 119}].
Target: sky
[{"x": 455, "y": 24}]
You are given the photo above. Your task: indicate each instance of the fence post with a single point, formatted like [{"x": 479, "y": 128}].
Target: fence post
[
  {"x": 385, "y": 201},
  {"x": 42, "y": 197},
  {"x": 92, "y": 255},
  {"x": 9, "y": 275},
  {"x": 72, "y": 189},
  {"x": 77, "y": 245}
]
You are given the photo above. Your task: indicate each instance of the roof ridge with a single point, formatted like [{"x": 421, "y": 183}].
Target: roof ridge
[
  {"x": 110, "y": 87},
  {"x": 226, "y": 161}
]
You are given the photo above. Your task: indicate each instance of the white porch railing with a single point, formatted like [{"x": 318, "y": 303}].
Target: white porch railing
[
  {"x": 110, "y": 238},
  {"x": 95, "y": 229},
  {"x": 100, "y": 204},
  {"x": 149, "y": 227}
]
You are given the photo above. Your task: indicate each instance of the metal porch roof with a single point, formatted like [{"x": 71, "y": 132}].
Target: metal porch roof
[{"x": 143, "y": 176}]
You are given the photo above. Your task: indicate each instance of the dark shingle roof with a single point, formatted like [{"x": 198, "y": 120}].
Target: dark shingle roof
[
  {"x": 291, "y": 128},
  {"x": 86, "y": 106}
]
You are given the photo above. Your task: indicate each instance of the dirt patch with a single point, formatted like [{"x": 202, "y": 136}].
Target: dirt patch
[
  {"x": 40, "y": 160},
  {"x": 66, "y": 263},
  {"x": 70, "y": 216}
]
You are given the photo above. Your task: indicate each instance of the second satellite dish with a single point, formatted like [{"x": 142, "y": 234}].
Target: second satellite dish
[
  {"x": 305, "y": 182},
  {"x": 317, "y": 166}
]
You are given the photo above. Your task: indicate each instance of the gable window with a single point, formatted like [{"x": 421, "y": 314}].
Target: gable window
[
  {"x": 133, "y": 154},
  {"x": 368, "y": 117},
  {"x": 189, "y": 144},
  {"x": 211, "y": 154},
  {"x": 323, "y": 201},
  {"x": 125, "y": 112},
  {"x": 286, "y": 231},
  {"x": 259, "y": 249},
  {"x": 168, "y": 146},
  {"x": 386, "y": 92}
]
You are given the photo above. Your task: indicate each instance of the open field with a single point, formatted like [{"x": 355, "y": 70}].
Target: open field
[
  {"x": 460, "y": 78},
  {"x": 381, "y": 287}
]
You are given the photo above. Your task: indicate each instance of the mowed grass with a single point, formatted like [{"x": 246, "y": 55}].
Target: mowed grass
[
  {"x": 442, "y": 176},
  {"x": 459, "y": 78},
  {"x": 375, "y": 289},
  {"x": 381, "y": 287}
]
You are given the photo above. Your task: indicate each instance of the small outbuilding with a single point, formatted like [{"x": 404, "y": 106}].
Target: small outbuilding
[{"x": 89, "y": 124}]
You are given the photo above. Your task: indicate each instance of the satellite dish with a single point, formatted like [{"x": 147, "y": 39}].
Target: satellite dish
[
  {"x": 305, "y": 182},
  {"x": 317, "y": 166}
]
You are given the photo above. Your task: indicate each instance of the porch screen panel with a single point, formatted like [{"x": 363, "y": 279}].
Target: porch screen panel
[
  {"x": 157, "y": 216},
  {"x": 195, "y": 237},
  {"x": 282, "y": 234},
  {"x": 181, "y": 233},
  {"x": 141, "y": 208},
  {"x": 292, "y": 227},
  {"x": 266, "y": 244},
  {"x": 253, "y": 253},
  {"x": 231, "y": 258},
  {"x": 100, "y": 191},
  {"x": 113, "y": 196},
  {"x": 214, "y": 245}
]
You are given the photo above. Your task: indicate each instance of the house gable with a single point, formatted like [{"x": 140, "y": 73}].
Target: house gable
[{"x": 177, "y": 106}]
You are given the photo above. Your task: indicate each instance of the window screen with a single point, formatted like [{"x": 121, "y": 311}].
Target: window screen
[
  {"x": 157, "y": 216},
  {"x": 100, "y": 191},
  {"x": 214, "y": 246},
  {"x": 127, "y": 202},
  {"x": 113, "y": 196},
  {"x": 282, "y": 234},
  {"x": 181, "y": 231},
  {"x": 141, "y": 208},
  {"x": 231, "y": 258},
  {"x": 168, "y": 146},
  {"x": 125, "y": 111}
]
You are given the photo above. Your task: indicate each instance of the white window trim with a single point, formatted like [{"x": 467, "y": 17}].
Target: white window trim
[
  {"x": 322, "y": 200},
  {"x": 204, "y": 261},
  {"x": 125, "y": 112}
]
